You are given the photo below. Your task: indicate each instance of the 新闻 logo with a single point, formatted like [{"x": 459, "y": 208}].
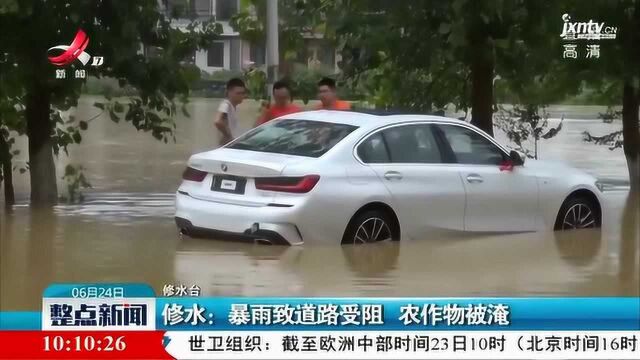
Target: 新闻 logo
[{"x": 74, "y": 51}]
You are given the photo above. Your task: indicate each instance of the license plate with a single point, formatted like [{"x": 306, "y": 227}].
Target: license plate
[{"x": 228, "y": 184}]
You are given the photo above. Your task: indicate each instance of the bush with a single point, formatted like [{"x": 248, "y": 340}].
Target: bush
[
  {"x": 304, "y": 81},
  {"x": 256, "y": 83}
]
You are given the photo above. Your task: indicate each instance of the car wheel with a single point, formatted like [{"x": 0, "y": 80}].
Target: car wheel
[
  {"x": 368, "y": 227},
  {"x": 578, "y": 213}
]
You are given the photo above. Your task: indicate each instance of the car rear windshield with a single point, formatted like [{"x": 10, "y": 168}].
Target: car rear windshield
[{"x": 294, "y": 137}]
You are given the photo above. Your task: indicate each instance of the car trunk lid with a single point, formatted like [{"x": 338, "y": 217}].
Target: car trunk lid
[{"x": 231, "y": 175}]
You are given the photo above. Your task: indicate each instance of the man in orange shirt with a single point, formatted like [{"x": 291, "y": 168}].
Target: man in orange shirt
[
  {"x": 328, "y": 97},
  {"x": 282, "y": 104}
]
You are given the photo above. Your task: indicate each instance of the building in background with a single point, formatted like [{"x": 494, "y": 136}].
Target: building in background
[{"x": 231, "y": 52}]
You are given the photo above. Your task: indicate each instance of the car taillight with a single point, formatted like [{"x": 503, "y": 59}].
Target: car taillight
[
  {"x": 297, "y": 184},
  {"x": 192, "y": 174}
]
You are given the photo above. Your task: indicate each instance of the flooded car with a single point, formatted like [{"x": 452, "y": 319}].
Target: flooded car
[
  {"x": 127, "y": 222},
  {"x": 353, "y": 178}
]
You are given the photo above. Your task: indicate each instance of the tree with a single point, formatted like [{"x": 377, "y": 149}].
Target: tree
[
  {"x": 616, "y": 74},
  {"x": 526, "y": 123},
  {"x": 6, "y": 175},
  {"x": 424, "y": 55},
  {"x": 392, "y": 52},
  {"x": 298, "y": 18},
  {"x": 31, "y": 98},
  {"x": 11, "y": 110}
]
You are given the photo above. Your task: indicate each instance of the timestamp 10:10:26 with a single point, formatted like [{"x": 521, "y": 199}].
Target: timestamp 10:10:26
[{"x": 84, "y": 343}]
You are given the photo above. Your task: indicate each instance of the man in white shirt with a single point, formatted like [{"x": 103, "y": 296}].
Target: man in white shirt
[{"x": 226, "y": 120}]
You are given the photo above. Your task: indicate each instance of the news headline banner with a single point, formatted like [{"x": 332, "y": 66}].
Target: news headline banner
[
  {"x": 326, "y": 328},
  {"x": 414, "y": 314},
  {"x": 135, "y": 307}
]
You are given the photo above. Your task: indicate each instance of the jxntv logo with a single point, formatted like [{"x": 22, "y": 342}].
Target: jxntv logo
[
  {"x": 590, "y": 31},
  {"x": 70, "y": 53}
]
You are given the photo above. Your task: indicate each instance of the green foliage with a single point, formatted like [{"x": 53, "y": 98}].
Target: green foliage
[
  {"x": 417, "y": 55},
  {"x": 116, "y": 29},
  {"x": 256, "y": 82},
  {"x": 386, "y": 88},
  {"x": 618, "y": 65},
  {"x": 610, "y": 115},
  {"x": 304, "y": 81},
  {"x": 613, "y": 140},
  {"x": 8, "y": 6},
  {"x": 388, "y": 51},
  {"x": 298, "y": 18},
  {"x": 11, "y": 124},
  {"x": 605, "y": 92},
  {"x": 75, "y": 181},
  {"x": 619, "y": 57},
  {"x": 525, "y": 123}
]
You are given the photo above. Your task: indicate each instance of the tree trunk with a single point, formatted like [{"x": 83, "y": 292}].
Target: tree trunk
[
  {"x": 631, "y": 133},
  {"x": 41, "y": 166},
  {"x": 482, "y": 66},
  {"x": 5, "y": 159}
]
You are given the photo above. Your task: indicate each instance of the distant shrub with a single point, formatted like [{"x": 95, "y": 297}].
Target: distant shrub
[
  {"x": 106, "y": 87},
  {"x": 220, "y": 75}
]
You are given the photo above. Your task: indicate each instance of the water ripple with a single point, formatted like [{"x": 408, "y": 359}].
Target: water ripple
[{"x": 121, "y": 205}]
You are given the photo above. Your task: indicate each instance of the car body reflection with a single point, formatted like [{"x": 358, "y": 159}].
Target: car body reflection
[{"x": 491, "y": 265}]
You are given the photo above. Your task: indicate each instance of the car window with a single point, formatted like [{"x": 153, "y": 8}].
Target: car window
[
  {"x": 412, "y": 144},
  {"x": 469, "y": 147},
  {"x": 373, "y": 150},
  {"x": 294, "y": 137}
]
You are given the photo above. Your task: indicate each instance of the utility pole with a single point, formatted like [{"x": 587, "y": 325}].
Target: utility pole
[{"x": 273, "y": 53}]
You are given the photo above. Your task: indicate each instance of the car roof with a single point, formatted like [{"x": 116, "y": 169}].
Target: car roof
[{"x": 364, "y": 120}]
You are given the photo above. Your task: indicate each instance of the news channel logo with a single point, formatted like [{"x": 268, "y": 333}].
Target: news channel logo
[
  {"x": 98, "y": 307},
  {"x": 573, "y": 31},
  {"x": 65, "y": 55}
]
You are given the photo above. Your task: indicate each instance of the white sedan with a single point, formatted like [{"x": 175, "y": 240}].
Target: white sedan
[{"x": 334, "y": 176}]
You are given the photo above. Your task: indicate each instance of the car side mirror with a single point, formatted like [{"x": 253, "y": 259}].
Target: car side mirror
[{"x": 516, "y": 159}]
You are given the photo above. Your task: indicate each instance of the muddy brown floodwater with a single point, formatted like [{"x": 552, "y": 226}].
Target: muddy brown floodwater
[{"x": 124, "y": 232}]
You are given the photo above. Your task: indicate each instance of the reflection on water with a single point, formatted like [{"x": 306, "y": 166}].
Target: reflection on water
[
  {"x": 578, "y": 248},
  {"x": 629, "y": 266},
  {"x": 116, "y": 207},
  {"x": 66, "y": 245},
  {"x": 124, "y": 231}
]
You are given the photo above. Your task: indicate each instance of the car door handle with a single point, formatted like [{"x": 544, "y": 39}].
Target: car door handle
[
  {"x": 392, "y": 175},
  {"x": 474, "y": 178}
]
